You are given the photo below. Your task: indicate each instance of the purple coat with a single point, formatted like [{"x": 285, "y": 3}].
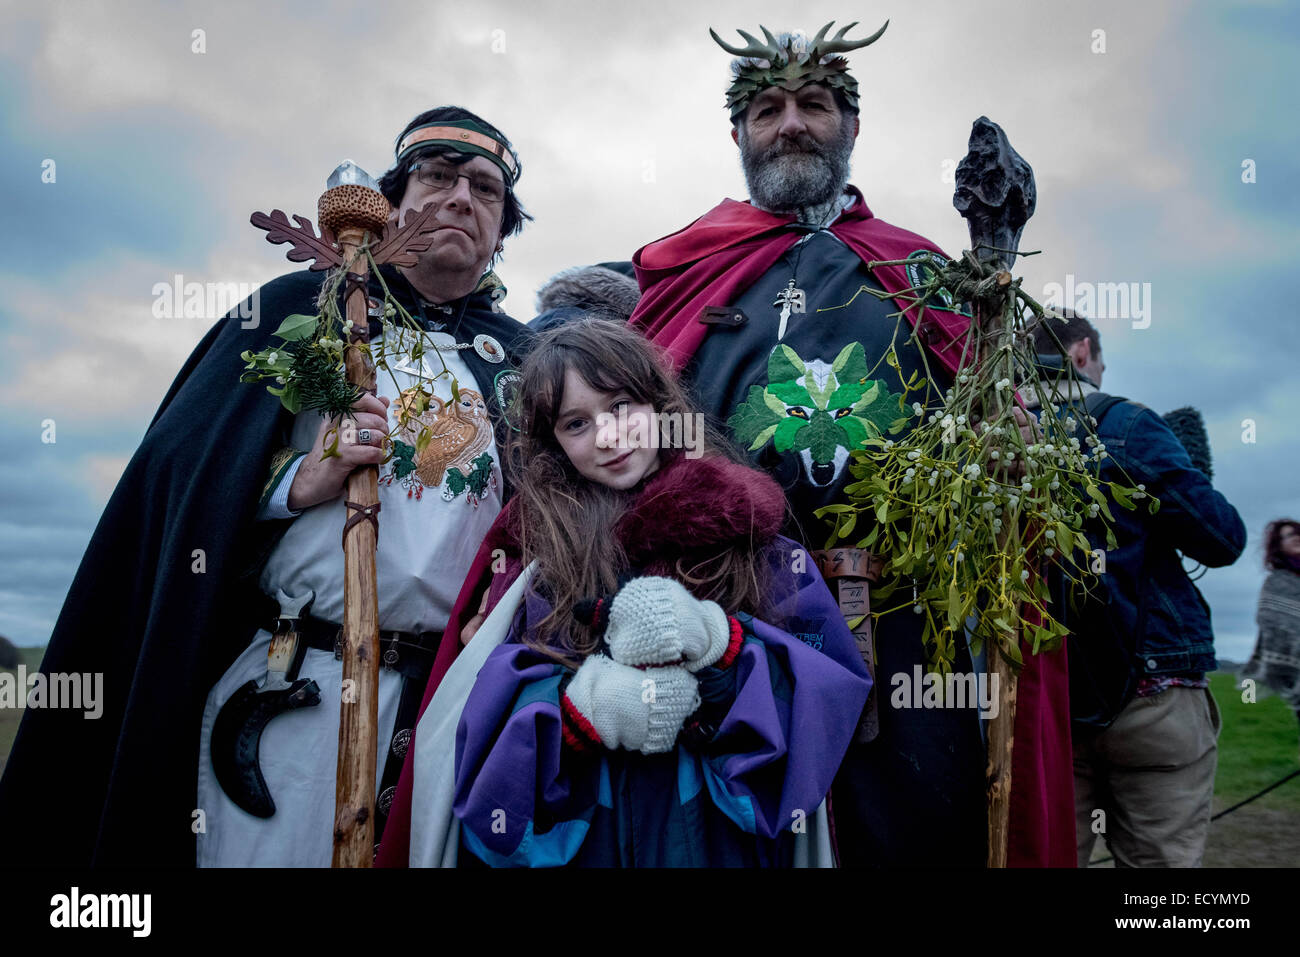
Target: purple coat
[{"x": 790, "y": 704}]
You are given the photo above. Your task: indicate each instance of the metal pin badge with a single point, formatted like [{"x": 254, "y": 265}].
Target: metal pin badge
[{"x": 488, "y": 349}]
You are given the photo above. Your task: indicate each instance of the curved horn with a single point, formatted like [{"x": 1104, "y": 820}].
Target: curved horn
[
  {"x": 780, "y": 53},
  {"x": 767, "y": 51},
  {"x": 838, "y": 44},
  {"x": 754, "y": 50},
  {"x": 821, "y": 35},
  {"x": 237, "y": 736}
]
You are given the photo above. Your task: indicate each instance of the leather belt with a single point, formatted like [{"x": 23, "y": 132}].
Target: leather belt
[
  {"x": 409, "y": 653},
  {"x": 852, "y": 570}
]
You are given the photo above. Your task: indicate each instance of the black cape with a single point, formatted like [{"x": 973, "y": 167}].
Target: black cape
[{"x": 166, "y": 598}]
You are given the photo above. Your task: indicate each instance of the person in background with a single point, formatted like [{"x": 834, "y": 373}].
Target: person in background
[
  {"x": 1149, "y": 767},
  {"x": 1276, "y": 659}
]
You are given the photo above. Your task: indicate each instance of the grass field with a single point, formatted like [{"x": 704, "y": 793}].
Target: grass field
[
  {"x": 9, "y": 719},
  {"x": 1260, "y": 743}
]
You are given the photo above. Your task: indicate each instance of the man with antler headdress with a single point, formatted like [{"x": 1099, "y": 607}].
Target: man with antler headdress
[
  {"x": 770, "y": 309},
  {"x": 231, "y": 498}
]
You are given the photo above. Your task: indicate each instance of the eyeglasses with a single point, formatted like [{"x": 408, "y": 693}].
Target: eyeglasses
[{"x": 438, "y": 175}]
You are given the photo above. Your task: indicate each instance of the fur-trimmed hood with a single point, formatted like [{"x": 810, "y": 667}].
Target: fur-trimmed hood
[
  {"x": 701, "y": 504},
  {"x": 590, "y": 288}
]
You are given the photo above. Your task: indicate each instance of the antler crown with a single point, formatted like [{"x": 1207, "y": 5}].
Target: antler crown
[{"x": 791, "y": 61}]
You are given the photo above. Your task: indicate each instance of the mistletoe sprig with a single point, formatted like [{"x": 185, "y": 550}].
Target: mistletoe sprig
[
  {"x": 306, "y": 371},
  {"x": 964, "y": 511}
]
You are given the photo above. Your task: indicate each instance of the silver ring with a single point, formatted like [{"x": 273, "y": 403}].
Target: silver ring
[{"x": 363, "y": 436}]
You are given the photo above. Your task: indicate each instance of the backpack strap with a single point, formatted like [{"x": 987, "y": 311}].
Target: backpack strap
[{"x": 1099, "y": 403}]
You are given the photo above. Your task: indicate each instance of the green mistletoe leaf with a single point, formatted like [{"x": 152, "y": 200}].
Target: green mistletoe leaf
[
  {"x": 290, "y": 398},
  {"x": 296, "y": 327}
]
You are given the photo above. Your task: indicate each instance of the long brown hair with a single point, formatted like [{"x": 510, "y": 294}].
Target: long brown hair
[
  {"x": 566, "y": 521},
  {"x": 1274, "y": 557}
]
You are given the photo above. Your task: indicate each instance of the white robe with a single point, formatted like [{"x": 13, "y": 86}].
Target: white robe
[{"x": 428, "y": 538}]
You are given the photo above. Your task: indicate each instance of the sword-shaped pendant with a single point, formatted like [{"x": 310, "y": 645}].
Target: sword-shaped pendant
[{"x": 790, "y": 299}]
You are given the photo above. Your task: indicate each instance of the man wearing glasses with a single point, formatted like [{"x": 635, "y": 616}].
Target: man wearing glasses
[{"x": 226, "y": 474}]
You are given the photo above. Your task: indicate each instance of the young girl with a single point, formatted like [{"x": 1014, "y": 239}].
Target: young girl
[{"x": 679, "y": 687}]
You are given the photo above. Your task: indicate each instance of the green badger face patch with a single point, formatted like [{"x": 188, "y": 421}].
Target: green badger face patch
[{"x": 819, "y": 410}]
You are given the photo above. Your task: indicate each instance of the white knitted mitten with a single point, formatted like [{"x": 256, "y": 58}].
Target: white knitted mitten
[
  {"x": 640, "y": 710},
  {"x": 656, "y": 620}
]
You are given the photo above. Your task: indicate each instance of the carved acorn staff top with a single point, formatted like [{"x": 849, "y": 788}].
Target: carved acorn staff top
[
  {"x": 307, "y": 370},
  {"x": 351, "y": 195}
]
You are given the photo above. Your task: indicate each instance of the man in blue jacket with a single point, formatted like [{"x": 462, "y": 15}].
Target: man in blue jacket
[{"x": 1145, "y": 749}]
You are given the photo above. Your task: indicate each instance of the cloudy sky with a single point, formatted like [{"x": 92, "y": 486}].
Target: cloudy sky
[{"x": 163, "y": 141}]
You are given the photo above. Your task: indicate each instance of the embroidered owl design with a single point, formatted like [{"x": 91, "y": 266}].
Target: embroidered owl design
[{"x": 458, "y": 433}]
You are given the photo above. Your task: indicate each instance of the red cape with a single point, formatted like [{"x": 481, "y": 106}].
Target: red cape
[{"x": 724, "y": 252}]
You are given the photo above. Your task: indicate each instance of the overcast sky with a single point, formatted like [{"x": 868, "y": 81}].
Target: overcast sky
[{"x": 160, "y": 152}]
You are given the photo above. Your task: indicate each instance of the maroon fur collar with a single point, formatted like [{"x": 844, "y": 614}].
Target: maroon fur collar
[{"x": 701, "y": 504}]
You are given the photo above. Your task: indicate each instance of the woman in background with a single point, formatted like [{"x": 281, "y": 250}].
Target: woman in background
[{"x": 1276, "y": 661}]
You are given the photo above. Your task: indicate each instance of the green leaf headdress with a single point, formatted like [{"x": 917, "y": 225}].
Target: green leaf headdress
[{"x": 791, "y": 61}]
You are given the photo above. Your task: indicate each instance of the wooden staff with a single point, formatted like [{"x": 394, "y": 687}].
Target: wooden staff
[
  {"x": 996, "y": 194},
  {"x": 349, "y": 209},
  {"x": 353, "y": 210}
]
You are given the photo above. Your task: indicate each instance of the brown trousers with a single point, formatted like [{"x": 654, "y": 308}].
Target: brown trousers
[{"x": 1151, "y": 774}]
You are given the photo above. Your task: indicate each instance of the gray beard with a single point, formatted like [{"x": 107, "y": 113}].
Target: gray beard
[{"x": 799, "y": 176}]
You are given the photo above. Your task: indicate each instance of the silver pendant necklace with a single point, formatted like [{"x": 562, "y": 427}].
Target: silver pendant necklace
[{"x": 792, "y": 300}]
